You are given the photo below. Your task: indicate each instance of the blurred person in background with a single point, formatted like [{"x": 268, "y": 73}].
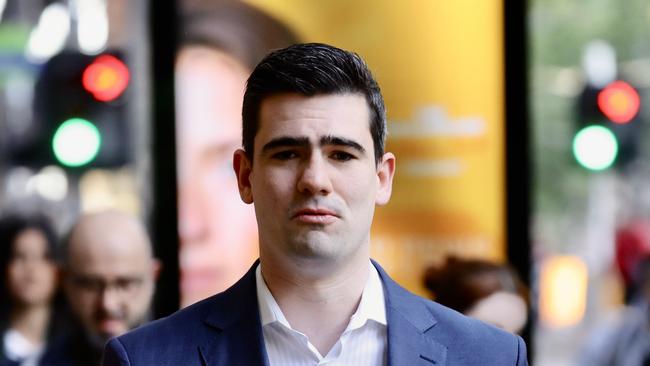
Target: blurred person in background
[
  {"x": 29, "y": 291},
  {"x": 109, "y": 278},
  {"x": 632, "y": 246},
  {"x": 622, "y": 338},
  {"x": 480, "y": 289},
  {"x": 220, "y": 43}
]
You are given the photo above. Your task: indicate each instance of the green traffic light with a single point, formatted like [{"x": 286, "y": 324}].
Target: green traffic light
[
  {"x": 76, "y": 142},
  {"x": 595, "y": 147}
]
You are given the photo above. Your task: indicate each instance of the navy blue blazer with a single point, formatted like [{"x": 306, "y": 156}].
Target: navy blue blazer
[{"x": 225, "y": 329}]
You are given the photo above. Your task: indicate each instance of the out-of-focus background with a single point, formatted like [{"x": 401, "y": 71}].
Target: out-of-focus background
[
  {"x": 75, "y": 113},
  {"x": 518, "y": 127}
]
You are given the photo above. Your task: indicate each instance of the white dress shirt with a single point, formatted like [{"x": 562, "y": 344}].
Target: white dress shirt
[
  {"x": 362, "y": 343},
  {"x": 17, "y": 347}
]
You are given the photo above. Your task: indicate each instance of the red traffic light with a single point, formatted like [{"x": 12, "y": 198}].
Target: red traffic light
[
  {"x": 106, "y": 78},
  {"x": 619, "y": 102}
]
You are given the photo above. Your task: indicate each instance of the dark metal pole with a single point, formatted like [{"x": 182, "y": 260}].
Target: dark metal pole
[
  {"x": 518, "y": 162},
  {"x": 162, "y": 30}
]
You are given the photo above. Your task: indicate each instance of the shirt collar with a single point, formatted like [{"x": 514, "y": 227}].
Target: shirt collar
[
  {"x": 371, "y": 307},
  {"x": 269, "y": 309}
]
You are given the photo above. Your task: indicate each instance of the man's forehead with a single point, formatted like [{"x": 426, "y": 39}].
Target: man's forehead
[
  {"x": 107, "y": 264},
  {"x": 315, "y": 116},
  {"x": 107, "y": 247},
  {"x": 108, "y": 233},
  {"x": 108, "y": 254}
]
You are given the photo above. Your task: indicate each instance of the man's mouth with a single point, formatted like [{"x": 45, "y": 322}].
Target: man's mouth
[
  {"x": 319, "y": 216},
  {"x": 111, "y": 326}
]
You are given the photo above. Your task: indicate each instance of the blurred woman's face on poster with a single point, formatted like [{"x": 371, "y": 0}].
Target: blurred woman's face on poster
[{"x": 218, "y": 232}]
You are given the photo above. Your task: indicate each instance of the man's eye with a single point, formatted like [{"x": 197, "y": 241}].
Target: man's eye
[
  {"x": 342, "y": 156},
  {"x": 87, "y": 283},
  {"x": 284, "y": 155},
  {"x": 126, "y": 284}
]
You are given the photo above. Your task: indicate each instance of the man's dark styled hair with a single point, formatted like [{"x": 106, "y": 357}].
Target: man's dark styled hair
[{"x": 312, "y": 69}]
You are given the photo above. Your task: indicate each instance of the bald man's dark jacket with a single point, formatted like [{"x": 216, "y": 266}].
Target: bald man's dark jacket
[
  {"x": 73, "y": 349},
  {"x": 225, "y": 329}
]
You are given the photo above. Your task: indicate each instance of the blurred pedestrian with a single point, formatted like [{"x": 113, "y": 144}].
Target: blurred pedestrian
[
  {"x": 622, "y": 337},
  {"x": 481, "y": 289},
  {"x": 29, "y": 289},
  {"x": 109, "y": 278}
]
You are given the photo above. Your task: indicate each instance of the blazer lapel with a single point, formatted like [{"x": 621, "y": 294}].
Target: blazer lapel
[
  {"x": 235, "y": 331},
  {"x": 409, "y": 322}
]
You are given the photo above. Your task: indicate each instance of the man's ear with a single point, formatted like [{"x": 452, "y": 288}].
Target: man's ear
[
  {"x": 243, "y": 168},
  {"x": 156, "y": 267},
  {"x": 385, "y": 173}
]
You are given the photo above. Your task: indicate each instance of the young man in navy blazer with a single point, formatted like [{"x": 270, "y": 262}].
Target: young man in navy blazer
[{"x": 313, "y": 164}]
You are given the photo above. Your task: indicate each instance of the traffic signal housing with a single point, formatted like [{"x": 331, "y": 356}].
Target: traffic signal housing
[
  {"x": 608, "y": 125},
  {"x": 80, "y": 113}
]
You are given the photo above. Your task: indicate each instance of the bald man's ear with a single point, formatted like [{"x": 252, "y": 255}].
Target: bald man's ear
[
  {"x": 156, "y": 267},
  {"x": 243, "y": 168},
  {"x": 58, "y": 273},
  {"x": 61, "y": 275}
]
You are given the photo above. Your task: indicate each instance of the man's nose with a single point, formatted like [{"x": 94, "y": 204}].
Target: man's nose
[
  {"x": 314, "y": 177},
  {"x": 110, "y": 299}
]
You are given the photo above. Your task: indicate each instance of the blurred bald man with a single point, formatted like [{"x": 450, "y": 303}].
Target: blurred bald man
[{"x": 109, "y": 279}]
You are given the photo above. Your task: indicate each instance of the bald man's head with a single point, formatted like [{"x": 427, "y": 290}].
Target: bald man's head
[
  {"x": 109, "y": 233},
  {"x": 109, "y": 273}
]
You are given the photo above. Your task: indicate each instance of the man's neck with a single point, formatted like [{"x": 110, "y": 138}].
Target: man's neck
[{"x": 333, "y": 297}]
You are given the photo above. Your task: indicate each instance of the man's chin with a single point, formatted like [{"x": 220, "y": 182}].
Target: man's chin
[
  {"x": 98, "y": 340},
  {"x": 106, "y": 331},
  {"x": 112, "y": 327}
]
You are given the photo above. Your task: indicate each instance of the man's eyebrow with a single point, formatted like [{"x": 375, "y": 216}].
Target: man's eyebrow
[
  {"x": 285, "y": 141},
  {"x": 341, "y": 141}
]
